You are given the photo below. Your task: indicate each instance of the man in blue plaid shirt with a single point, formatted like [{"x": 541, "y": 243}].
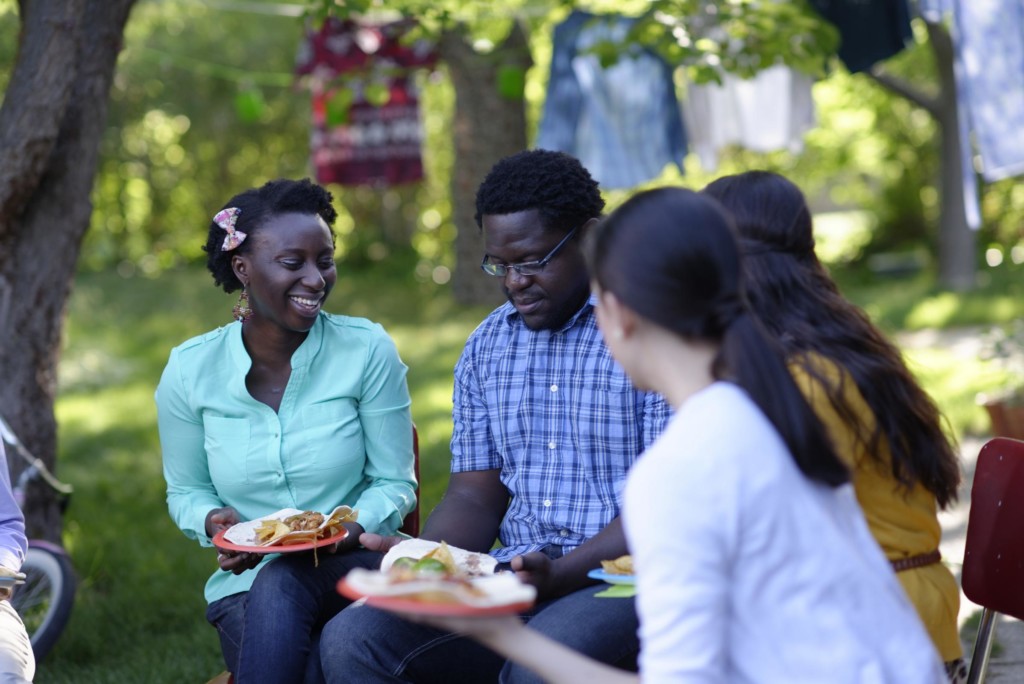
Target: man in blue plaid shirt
[{"x": 546, "y": 425}]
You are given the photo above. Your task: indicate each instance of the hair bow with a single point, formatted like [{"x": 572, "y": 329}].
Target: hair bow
[{"x": 226, "y": 219}]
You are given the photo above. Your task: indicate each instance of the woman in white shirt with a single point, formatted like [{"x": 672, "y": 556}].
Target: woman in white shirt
[{"x": 753, "y": 560}]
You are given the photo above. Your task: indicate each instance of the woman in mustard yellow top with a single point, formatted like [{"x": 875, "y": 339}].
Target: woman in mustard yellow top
[{"x": 882, "y": 423}]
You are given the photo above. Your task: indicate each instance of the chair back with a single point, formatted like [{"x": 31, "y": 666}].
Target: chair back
[
  {"x": 993, "y": 571},
  {"x": 411, "y": 524}
]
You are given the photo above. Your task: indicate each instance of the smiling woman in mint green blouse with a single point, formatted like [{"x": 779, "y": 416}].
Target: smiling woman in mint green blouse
[{"x": 287, "y": 407}]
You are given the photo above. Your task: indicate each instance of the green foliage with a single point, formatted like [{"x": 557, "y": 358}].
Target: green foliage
[{"x": 740, "y": 37}]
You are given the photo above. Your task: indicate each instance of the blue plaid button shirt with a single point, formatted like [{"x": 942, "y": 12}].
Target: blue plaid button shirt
[{"x": 557, "y": 415}]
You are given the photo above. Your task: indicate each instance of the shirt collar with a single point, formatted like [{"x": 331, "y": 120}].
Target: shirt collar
[
  {"x": 512, "y": 317},
  {"x": 301, "y": 357}
]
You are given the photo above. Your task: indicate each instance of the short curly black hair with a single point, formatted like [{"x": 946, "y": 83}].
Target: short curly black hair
[
  {"x": 553, "y": 183},
  {"x": 256, "y": 206}
]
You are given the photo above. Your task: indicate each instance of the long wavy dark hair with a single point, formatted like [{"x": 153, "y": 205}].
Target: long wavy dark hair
[
  {"x": 671, "y": 255},
  {"x": 797, "y": 301}
]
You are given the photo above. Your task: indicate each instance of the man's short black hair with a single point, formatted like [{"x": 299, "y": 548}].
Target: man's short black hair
[{"x": 553, "y": 183}]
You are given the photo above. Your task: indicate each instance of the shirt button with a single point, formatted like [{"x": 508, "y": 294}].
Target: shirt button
[
  {"x": 280, "y": 474},
  {"x": 563, "y": 533},
  {"x": 554, "y": 388},
  {"x": 547, "y": 502}
]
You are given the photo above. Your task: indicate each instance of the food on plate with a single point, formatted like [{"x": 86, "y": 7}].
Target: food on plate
[
  {"x": 269, "y": 531},
  {"x": 455, "y": 561},
  {"x": 623, "y": 565},
  {"x": 290, "y": 526},
  {"x": 434, "y": 572}
]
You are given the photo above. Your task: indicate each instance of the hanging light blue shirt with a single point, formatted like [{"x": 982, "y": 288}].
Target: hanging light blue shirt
[
  {"x": 342, "y": 435},
  {"x": 559, "y": 417}
]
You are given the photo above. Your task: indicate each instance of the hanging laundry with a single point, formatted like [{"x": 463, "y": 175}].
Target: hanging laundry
[
  {"x": 869, "y": 30},
  {"x": 988, "y": 40},
  {"x": 768, "y": 112},
  {"x": 378, "y": 141},
  {"x": 623, "y": 123}
]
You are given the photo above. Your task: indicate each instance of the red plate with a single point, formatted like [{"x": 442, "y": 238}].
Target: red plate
[
  {"x": 401, "y": 604},
  {"x": 221, "y": 543}
]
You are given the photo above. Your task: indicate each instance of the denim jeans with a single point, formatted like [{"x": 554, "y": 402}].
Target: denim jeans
[
  {"x": 288, "y": 604},
  {"x": 365, "y": 645},
  {"x": 227, "y": 616}
]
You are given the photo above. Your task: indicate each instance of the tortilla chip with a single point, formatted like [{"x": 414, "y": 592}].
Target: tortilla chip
[{"x": 623, "y": 565}]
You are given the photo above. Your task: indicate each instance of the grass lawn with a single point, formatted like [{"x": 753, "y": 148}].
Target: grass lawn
[{"x": 139, "y": 612}]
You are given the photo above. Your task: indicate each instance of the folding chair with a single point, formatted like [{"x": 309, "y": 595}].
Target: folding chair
[{"x": 993, "y": 572}]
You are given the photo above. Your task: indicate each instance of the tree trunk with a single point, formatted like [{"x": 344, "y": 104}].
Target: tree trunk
[
  {"x": 51, "y": 123},
  {"x": 956, "y": 241},
  {"x": 488, "y": 125},
  {"x": 957, "y": 248}
]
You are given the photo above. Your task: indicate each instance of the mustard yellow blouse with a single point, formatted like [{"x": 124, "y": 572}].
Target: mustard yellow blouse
[{"x": 905, "y": 523}]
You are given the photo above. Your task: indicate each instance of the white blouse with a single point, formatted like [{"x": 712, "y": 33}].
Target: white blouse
[{"x": 749, "y": 572}]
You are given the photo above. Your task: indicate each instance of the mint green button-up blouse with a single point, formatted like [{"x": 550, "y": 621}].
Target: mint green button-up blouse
[{"x": 342, "y": 435}]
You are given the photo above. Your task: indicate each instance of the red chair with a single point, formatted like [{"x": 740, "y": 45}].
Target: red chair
[
  {"x": 411, "y": 524},
  {"x": 993, "y": 572}
]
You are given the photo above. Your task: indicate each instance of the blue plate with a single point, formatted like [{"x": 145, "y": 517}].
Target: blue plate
[{"x": 600, "y": 574}]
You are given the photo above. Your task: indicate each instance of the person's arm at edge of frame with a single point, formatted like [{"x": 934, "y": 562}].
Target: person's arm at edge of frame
[{"x": 13, "y": 543}]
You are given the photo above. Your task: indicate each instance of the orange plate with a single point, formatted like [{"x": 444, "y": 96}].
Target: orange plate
[
  {"x": 221, "y": 543},
  {"x": 406, "y": 605}
]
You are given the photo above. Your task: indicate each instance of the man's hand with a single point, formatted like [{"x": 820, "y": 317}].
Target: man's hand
[
  {"x": 537, "y": 569},
  {"x": 351, "y": 540},
  {"x": 376, "y": 542}
]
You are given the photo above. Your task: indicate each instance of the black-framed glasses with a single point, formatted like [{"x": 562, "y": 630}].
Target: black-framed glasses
[{"x": 526, "y": 268}]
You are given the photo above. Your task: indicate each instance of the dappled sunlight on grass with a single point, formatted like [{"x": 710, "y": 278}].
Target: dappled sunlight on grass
[
  {"x": 954, "y": 382},
  {"x": 934, "y": 312}
]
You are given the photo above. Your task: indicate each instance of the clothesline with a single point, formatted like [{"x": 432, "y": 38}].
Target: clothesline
[{"x": 221, "y": 71}]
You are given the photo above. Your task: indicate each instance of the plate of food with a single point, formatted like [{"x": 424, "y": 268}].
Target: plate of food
[
  {"x": 433, "y": 578},
  {"x": 288, "y": 530},
  {"x": 617, "y": 571}
]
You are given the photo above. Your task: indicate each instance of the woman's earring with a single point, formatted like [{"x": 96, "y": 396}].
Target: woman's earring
[
  {"x": 241, "y": 310},
  {"x": 618, "y": 334}
]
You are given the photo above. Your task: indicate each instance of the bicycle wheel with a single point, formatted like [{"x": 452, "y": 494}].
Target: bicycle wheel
[{"x": 44, "y": 601}]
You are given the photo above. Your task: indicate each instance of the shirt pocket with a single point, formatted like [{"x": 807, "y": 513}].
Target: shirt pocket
[
  {"x": 226, "y": 441},
  {"x": 333, "y": 435}
]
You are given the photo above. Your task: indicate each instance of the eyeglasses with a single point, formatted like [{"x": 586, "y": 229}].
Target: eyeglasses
[{"x": 526, "y": 268}]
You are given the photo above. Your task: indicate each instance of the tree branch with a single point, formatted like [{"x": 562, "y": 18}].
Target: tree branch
[{"x": 904, "y": 89}]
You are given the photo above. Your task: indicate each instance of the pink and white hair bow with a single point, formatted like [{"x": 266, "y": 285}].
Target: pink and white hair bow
[{"x": 226, "y": 219}]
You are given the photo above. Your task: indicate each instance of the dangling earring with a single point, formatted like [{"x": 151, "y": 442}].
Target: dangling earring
[{"x": 241, "y": 310}]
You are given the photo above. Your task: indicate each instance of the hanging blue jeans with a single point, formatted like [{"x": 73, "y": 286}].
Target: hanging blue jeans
[{"x": 623, "y": 123}]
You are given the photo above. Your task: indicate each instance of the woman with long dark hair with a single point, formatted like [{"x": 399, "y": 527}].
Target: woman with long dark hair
[
  {"x": 883, "y": 425},
  {"x": 752, "y": 558}
]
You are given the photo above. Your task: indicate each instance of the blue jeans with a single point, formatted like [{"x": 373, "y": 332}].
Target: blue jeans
[
  {"x": 365, "y": 645},
  {"x": 288, "y": 604},
  {"x": 227, "y": 616}
]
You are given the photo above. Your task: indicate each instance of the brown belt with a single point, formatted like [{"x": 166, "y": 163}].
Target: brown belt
[{"x": 911, "y": 562}]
